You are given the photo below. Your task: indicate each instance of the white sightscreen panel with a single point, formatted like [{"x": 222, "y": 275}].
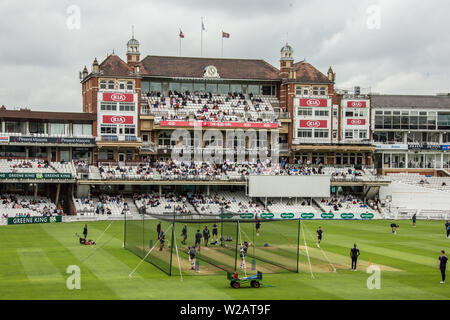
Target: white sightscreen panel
[{"x": 289, "y": 186}]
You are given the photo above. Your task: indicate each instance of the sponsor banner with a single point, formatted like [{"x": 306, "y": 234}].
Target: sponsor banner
[
  {"x": 60, "y": 176},
  {"x": 391, "y": 146},
  {"x": 30, "y": 220},
  {"x": 246, "y": 216},
  {"x": 226, "y": 215},
  {"x": 313, "y": 123},
  {"x": 4, "y": 139},
  {"x": 313, "y": 102},
  {"x": 445, "y": 147},
  {"x": 218, "y": 124},
  {"x": 118, "y": 97},
  {"x": 287, "y": 216},
  {"x": 21, "y": 139},
  {"x": 307, "y": 215},
  {"x": 424, "y": 146},
  {"x": 366, "y": 215},
  {"x": 347, "y": 215},
  {"x": 118, "y": 119},
  {"x": 267, "y": 215},
  {"x": 356, "y": 122},
  {"x": 327, "y": 215},
  {"x": 356, "y": 104}
]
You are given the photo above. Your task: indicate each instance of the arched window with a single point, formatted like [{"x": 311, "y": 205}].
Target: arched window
[
  {"x": 103, "y": 84},
  {"x": 129, "y": 85},
  {"x": 111, "y": 84}
]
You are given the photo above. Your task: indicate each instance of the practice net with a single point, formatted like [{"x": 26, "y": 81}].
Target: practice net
[{"x": 223, "y": 243}]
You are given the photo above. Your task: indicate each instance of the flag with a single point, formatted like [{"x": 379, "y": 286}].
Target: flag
[
  {"x": 181, "y": 34},
  {"x": 225, "y": 35},
  {"x": 203, "y": 25}
]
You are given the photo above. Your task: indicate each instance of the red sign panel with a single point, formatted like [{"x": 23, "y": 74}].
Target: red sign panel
[
  {"x": 356, "y": 104},
  {"x": 118, "y": 119},
  {"x": 313, "y": 102},
  {"x": 218, "y": 124},
  {"x": 118, "y": 97},
  {"x": 356, "y": 122},
  {"x": 313, "y": 123}
]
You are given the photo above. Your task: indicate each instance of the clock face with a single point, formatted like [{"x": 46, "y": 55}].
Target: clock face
[{"x": 211, "y": 71}]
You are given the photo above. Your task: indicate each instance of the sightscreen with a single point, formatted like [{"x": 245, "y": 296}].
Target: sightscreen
[{"x": 289, "y": 186}]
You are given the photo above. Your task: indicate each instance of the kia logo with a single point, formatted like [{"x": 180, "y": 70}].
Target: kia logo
[
  {"x": 313, "y": 102},
  {"x": 315, "y": 124},
  {"x": 118, "y": 97},
  {"x": 171, "y": 123},
  {"x": 356, "y": 104},
  {"x": 118, "y": 119},
  {"x": 355, "y": 121}
]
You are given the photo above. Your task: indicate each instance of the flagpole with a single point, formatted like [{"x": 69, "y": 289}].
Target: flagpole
[
  {"x": 201, "y": 40},
  {"x": 222, "y": 43},
  {"x": 180, "y": 45}
]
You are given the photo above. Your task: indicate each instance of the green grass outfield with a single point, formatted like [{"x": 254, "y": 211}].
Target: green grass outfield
[{"x": 34, "y": 259}]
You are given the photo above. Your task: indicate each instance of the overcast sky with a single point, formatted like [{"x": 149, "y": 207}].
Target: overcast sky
[{"x": 392, "y": 46}]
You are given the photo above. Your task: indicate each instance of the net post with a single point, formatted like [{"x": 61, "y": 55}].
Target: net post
[
  {"x": 171, "y": 245},
  {"x": 124, "y": 229},
  {"x": 143, "y": 236},
  {"x": 236, "y": 248},
  {"x": 298, "y": 243}
]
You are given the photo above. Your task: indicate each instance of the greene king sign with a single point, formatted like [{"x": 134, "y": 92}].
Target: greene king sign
[{"x": 32, "y": 220}]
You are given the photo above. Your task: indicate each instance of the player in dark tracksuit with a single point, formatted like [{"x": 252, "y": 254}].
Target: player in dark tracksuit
[
  {"x": 447, "y": 228},
  {"x": 394, "y": 228},
  {"x": 319, "y": 236},
  {"x": 184, "y": 234},
  {"x": 443, "y": 264},
  {"x": 354, "y": 254},
  {"x": 414, "y": 218},
  {"x": 214, "y": 232},
  {"x": 158, "y": 229},
  {"x": 198, "y": 238},
  {"x": 191, "y": 251},
  {"x": 162, "y": 240},
  {"x": 85, "y": 231},
  {"x": 206, "y": 235}
]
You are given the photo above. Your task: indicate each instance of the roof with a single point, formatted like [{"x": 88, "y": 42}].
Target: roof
[
  {"x": 114, "y": 66},
  {"x": 305, "y": 72},
  {"x": 411, "y": 101},
  {"x": 190, "y": 67},
  {"x": 25, "y": 114}
]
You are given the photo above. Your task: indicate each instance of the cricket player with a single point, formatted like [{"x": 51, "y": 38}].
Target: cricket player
[
  {"x": 191, "y": 251},
  {"x": 206, "y": 235},
  {"x": 198, "y": 238},
  {"x": 214, "y": 232},
  {"x": 242, "y": 253},
  {"x": 354, "y": 254},
  {"x": 162, "y": 239},
  {"x": 394, "y": 228},
  {"x": 447, "y": 228},
  {"x": 184, "y": 234},
  {"x": 443, "y": 265},
  {"x": 319, "y": 236}
]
